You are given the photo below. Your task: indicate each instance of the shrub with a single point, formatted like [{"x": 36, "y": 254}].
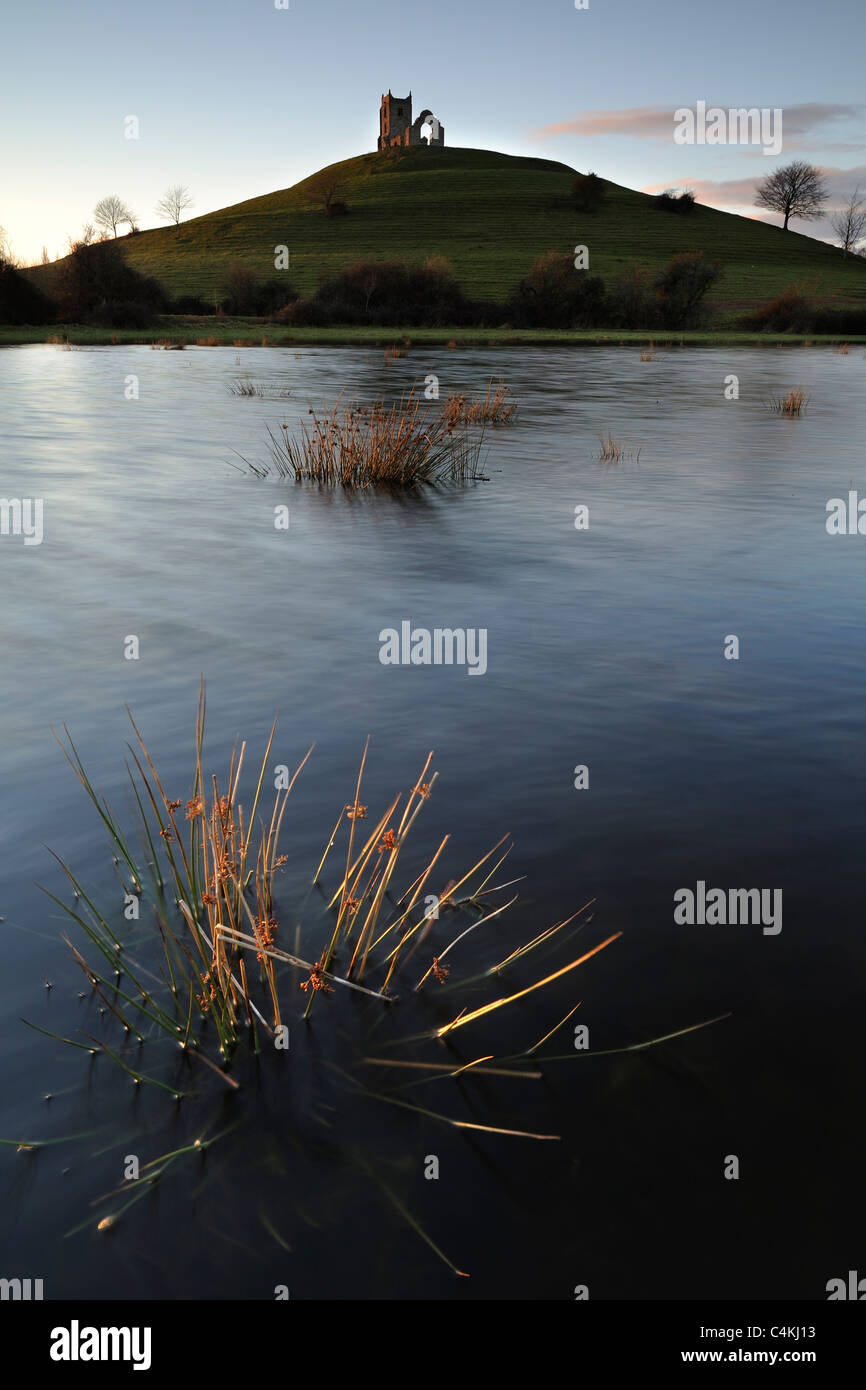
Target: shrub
[
  {"x": 303, "y": 313},
  {"x": 122, "y": 313},
  {"x": 243, "y": 294},
  {"x": 387, "y": 293},
  {"x": 793, "y": 312},
  {"x": 555, "y": 295},
  {"x": 631, "y": 301},
  {"x": 189, "y": 304},
  {"x": 273, "y": 295},
  {"x": 847, "y": 320},
  {"x": 681, "y": 287},
  {"x": 671, "y": 201},
  {"x": 97, "y": 286},
  {"x": 790, "y": 311},
  {"x": 587, "y": 192}
]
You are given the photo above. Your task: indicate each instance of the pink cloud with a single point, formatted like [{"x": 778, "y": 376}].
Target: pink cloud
[
  {"x": 641, "y": 122},
  {"x": 657, "y": 122}
]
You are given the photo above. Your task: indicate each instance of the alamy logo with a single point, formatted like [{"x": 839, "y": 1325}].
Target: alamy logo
[
  {"x": 854, "y": 1289},
  {"x": 443, "y": 646},
  {"x": 22, "y": 516},
  {"x": 75, "y": 1343},
  {"x": 21, "y": 1289},
  {"x": 738, "y": 125},
  {"x": 846, "y": 518},
  {"x": 734, "y": 906}
]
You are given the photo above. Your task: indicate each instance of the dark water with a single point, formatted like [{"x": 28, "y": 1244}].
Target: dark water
[{"x": 604, "y": 648}]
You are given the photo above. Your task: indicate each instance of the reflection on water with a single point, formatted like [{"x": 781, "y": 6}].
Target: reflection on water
[{"x": 604, "y": 648}]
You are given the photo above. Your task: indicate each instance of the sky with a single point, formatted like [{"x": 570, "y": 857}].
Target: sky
[{"x": 237, "y": 98}]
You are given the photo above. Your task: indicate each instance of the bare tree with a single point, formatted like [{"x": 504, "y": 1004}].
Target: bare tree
[
  {"x": 175, "y": 202},
  {"x": 7, "y": 255},
  {"x": 88, "y": 236},
  {"x": 795, "y": 190},
  {"x": 110, "y": 212},
  {"x": 46, "y": 259},
  {"x": 849, "y": 223}
]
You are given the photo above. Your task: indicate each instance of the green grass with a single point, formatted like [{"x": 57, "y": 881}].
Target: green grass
[
  {"x": 259, "y": 333},
  {"x": 490, "y": 215}
]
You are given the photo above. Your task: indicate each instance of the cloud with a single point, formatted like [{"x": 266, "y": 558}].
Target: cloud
[
  {"x": 641, "y": 122},
  {"x": 657, "y": 122},
  {"x": 733, "y": 193}
]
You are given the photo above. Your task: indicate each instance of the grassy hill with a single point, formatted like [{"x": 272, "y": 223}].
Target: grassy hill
[{"x": 490, "y": 215}]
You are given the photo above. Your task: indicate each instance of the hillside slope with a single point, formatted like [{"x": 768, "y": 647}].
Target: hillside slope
[{"x": 490, "y": 215}]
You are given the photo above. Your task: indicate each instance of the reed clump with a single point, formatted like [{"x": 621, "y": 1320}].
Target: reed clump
[
  {"x": 209, "y": 873},
  {"x": 270, "y": 391},
  {"x": 403, "y": 445},
  {"x": 212, "y": 974},
  {"x": 397, "y": 349},
  {"x": 497, "y": 407},
  {"x": 613, "y": 452},
  {"x": 794, "y": 403}
]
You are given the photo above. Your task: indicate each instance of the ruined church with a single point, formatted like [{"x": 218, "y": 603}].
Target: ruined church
[{"x": 396, "y": 126}]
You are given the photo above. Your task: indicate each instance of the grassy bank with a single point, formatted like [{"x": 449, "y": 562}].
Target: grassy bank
[{"x": 226, "y": 332}]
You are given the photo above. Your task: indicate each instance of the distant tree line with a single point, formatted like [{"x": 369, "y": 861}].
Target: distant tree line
[
  {"x": 94, "y": 284},
  {"x": 794, "y": 312},
  {"x": 552, "y": 295}
]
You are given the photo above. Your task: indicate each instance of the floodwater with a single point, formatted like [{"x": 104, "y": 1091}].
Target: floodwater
[{"x": 605, "y": 648}]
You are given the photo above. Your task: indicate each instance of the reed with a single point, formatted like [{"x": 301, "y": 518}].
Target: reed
[
  {"x": 211, "y": 972},
  {"x": 354, "y": 446},
  {"x": 397, "y": 349},
  {"x": 791, "y": 405},
  {"x": 497, "y": 408},
  {"x": 612, "y": 452},
  {"x": 209, "y": 873},
  {"x": 270, "y": 391}
]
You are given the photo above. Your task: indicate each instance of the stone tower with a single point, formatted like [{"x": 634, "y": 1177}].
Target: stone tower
[{"x": 396, "y": 126}]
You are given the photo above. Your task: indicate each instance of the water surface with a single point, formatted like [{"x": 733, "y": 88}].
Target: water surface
[{"x": 604, "y": 648}]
